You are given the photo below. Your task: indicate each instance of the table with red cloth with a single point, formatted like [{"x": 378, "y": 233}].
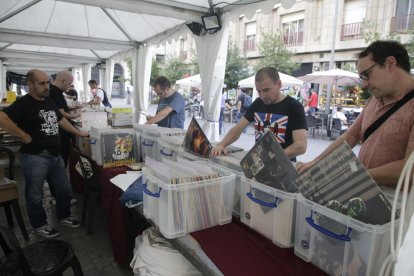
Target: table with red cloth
[
  {"x": 238, "y": 250},
  {"x": 116, "y": 215},
  {"x": 234, "y": 248}
]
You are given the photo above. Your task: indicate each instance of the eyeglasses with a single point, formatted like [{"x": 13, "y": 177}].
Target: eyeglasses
[{"x": 364, "y": 75}]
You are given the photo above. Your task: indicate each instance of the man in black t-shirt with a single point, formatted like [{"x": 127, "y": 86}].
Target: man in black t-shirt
[
  {"x": 35, "y": 119},
  {"x": 272, "y": 111},
  {"x": 61, "y": 83}
]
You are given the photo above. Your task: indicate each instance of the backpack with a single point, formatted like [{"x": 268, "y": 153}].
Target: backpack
[
  {"x": 247, "y": 101},
  {"x": 105, "y": 100}
]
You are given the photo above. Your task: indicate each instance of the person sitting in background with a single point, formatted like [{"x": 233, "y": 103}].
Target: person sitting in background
[{"x": 341, "y": 116}]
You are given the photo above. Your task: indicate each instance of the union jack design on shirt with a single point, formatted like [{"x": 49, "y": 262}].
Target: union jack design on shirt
[{"x": 275, "y": 123}]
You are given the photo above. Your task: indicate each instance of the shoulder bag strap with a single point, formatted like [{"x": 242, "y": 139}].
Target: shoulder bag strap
[{"x": 387, "y": 114}]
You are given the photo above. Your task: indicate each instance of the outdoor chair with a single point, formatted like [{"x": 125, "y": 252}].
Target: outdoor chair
[
  {"x": 310, "y": 124},
  {"x": 9, "y": 196},
  {"x": 46, "y": 257},
  {"x": 336, "y": 128},
  {"x": 91, "y": 190}
]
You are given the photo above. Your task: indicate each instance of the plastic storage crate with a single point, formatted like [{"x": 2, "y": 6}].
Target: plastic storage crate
[
  {"x": 149, "y": 145},
  {"x": 170, "y": 147},
  {"x": 150, "y": 135},
  {"x": 178, "y": 209},
  {"x": 269, "y": 211},
  {"x": 232, "y": 163},
  {"x": 338, "y": 244},
  {"x": 94, "y": 119},
  {"x": 97, "y": 149}
]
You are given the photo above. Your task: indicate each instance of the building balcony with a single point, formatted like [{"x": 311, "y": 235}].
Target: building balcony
[
  {"x": 351, "y": 31},
  {"x": 293, "y": 39},
  {"x": 401, "y": 24},
  {"x": 250, "y": 45}
]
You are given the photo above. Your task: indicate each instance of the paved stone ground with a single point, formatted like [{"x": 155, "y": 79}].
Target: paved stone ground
[{"x": 94, "y": 251}]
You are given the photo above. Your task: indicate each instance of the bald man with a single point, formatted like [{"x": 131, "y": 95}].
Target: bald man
[
  {"x": 61, "y": 84},
  {"x": 35, "y": 119}
]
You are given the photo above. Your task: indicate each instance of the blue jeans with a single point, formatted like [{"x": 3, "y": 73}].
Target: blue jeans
[
  {"x": 36, "y": 169},
  {"x": 221, "y": 118}
]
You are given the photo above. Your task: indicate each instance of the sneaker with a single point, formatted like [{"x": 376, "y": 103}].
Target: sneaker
[
  {"x": 73, "y": 201},
  {"x": 70, "y": 222},
  {"x": 46, "y": 232}
]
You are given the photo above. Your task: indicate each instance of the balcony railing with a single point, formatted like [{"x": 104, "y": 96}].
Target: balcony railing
[
  {"x": 293, "y": 39},
  {"x": 250, "y": 45},
  {"x": 402, "y": 24},
  {"x": 351, "y": 31}
]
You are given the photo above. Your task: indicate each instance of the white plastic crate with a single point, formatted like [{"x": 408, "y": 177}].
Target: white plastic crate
[
  {"x": 149, "y": 146},
  {"x": 178, "y": 209},
  {"x": 94, "y": 119},
  {"x": 269, "y": 211},
  {"x": 97, "y": 149},
  {"x": 170, "y": 147},
  {"x": 232, "y": 163},
  {"x": 338, "y": 244}
]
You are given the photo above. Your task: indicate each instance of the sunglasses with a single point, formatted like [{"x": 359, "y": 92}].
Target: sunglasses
[{"x": 364, "y": 75}]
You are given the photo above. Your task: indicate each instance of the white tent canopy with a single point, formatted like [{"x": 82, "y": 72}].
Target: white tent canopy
[
  {"x": 55, "y": 35},
  {"x": 191, "y": 81},
  {"x": 287, "y": 81}
]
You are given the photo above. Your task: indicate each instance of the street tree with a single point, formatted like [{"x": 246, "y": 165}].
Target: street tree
[
  {"x": 176, "y": 69},
  {"x": 236, "y": 67},
  {"x": 275, "y": 54}
]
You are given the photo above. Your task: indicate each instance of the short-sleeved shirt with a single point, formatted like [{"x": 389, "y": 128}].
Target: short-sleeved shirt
[
  {"x": 176, "y": 117},
  {"x": 40, "y": 120},
  {"x": 280, "y": 118},
  {"x": 313, "y": 100},
  {"x": 99, "y": 94},
  {"x": 389, "y": 142},
  {"x": 57, "y": 96}
]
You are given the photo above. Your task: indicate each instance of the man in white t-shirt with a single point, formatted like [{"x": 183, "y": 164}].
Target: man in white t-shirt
[
  {"x": 341, "y": 116},
  {"x": 97, "y": 92}
]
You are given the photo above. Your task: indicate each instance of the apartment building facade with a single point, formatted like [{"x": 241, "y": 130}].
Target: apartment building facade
[{"x": 311, "y": 30}]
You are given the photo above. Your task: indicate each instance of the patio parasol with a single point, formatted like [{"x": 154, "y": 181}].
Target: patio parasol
[{"x": 336, "y": 77}]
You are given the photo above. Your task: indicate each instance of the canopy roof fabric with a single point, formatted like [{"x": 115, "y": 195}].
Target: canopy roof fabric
[{"x": 58, "y": 34}]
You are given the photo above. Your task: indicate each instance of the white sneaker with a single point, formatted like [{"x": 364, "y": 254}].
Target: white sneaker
[
  {"x": 71, "y": 222},
  {"x": 46, "y": 231},
  {"x": 73, "y": 201}
]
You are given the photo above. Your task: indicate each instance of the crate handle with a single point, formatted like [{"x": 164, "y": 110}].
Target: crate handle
[
  {"x": 258, "y": 201},
  {"x": 147, "y": 145},
  {"x": 341, "y": 237},
  {"x": 92, "y": 141},
  {"x": 165, "y": 153},
  {"x": 148, "y": 192}
]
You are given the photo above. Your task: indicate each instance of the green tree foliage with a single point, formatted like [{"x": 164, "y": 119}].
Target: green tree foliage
[
  {"x": 156, "y": 71},
  {"x": 236, "y": 67},
  {"x": 275, "y": 54},
  {"x": 176, "y": 69}
]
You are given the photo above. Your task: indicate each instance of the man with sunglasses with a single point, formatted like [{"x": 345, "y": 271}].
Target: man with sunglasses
[{"x": 384, "y": 68}]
